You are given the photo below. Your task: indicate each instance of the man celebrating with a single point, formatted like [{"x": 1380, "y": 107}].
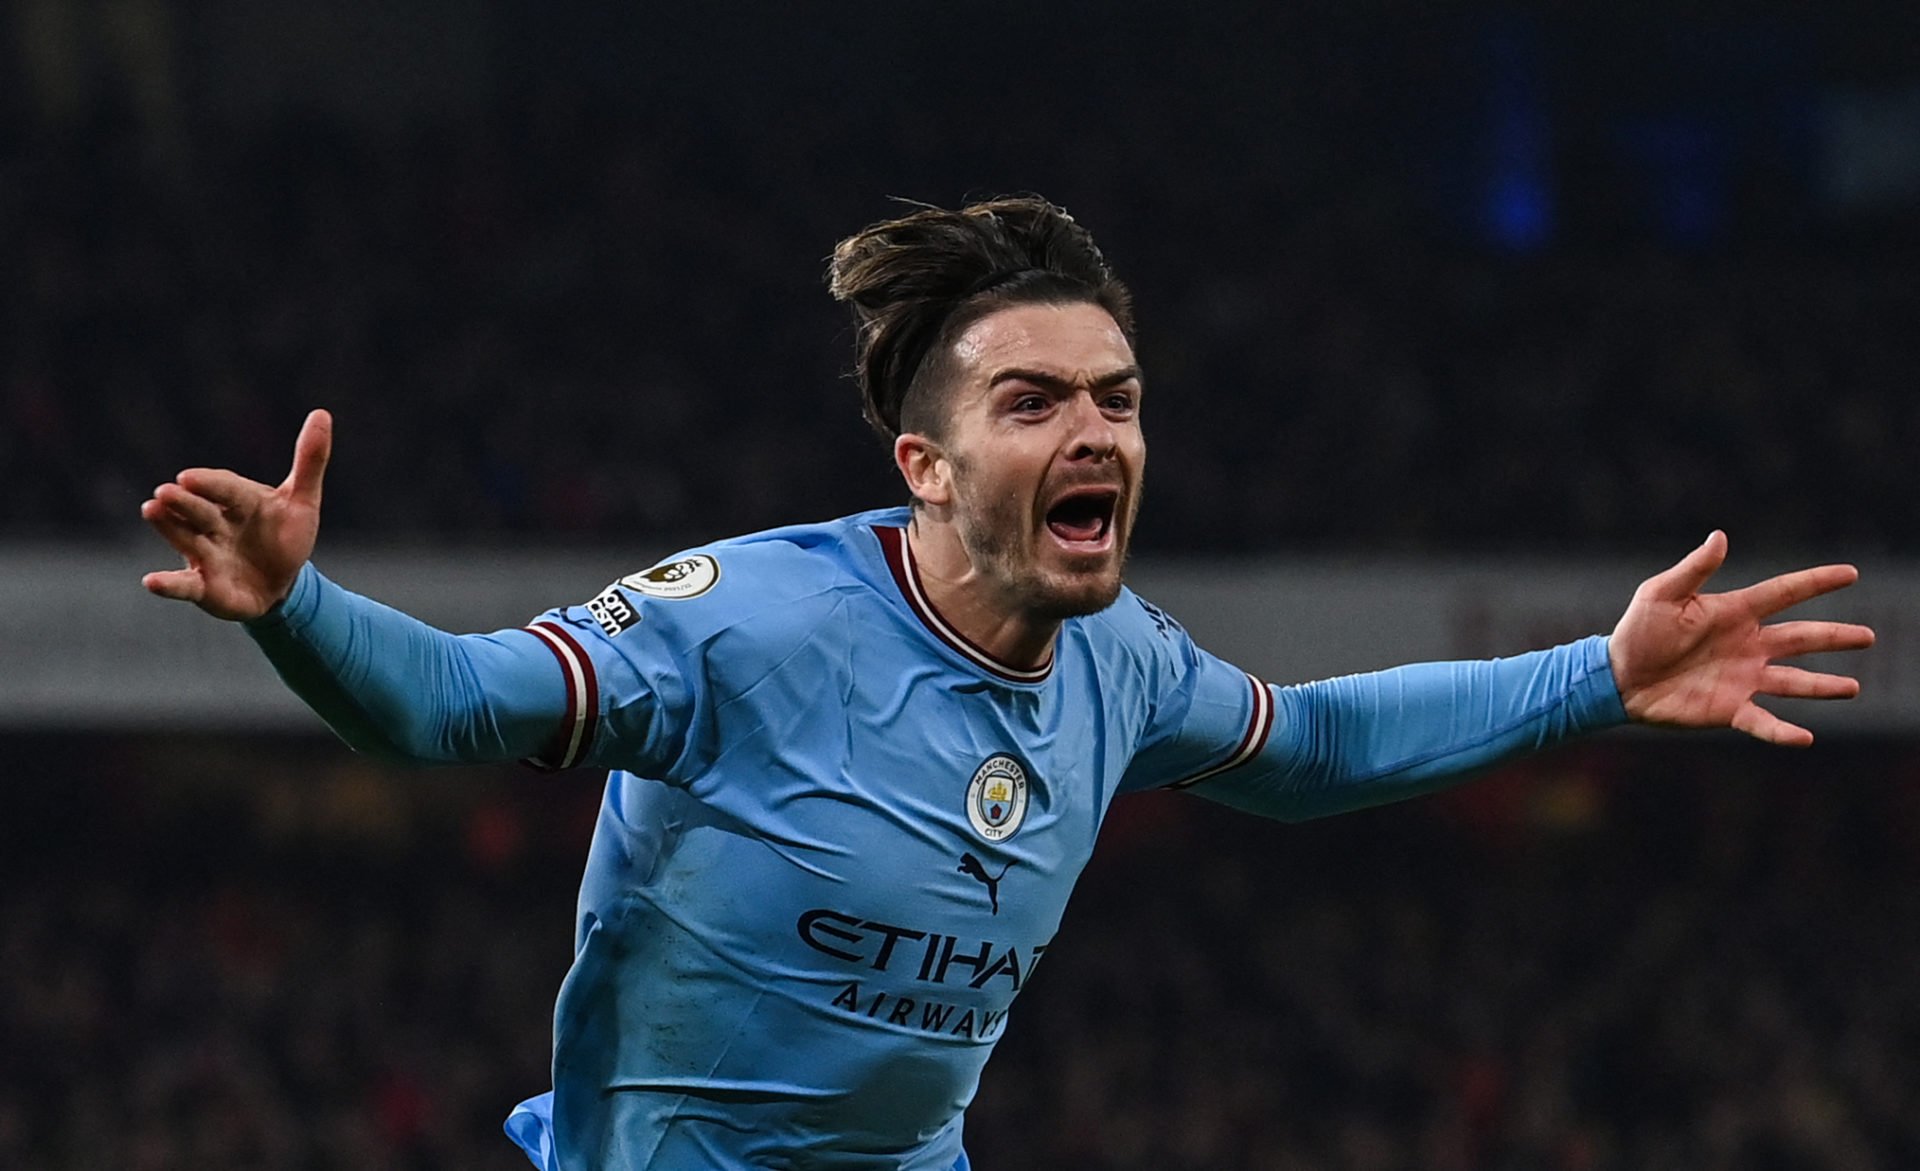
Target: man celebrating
[{"x": 857, "y": 766}]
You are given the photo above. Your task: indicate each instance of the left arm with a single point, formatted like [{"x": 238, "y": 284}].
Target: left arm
[
  {"x": 1364, "y": 740},
  {"x": 1677, "y": 658}
]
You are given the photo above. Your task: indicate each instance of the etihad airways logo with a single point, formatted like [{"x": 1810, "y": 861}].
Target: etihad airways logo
[{"x": 933, "y": 958}]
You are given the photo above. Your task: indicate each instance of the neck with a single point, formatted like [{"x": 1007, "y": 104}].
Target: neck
[{"x": 970, "y": 601}]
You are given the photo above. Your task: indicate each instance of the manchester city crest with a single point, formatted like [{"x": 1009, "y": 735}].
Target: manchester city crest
[{"x": 997, "y": 797}]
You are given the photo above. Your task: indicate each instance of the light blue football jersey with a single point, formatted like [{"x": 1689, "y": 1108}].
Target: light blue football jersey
[{"x": 838, "y": 839}]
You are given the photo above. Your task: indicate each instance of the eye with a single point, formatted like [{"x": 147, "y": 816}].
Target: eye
[
  {"x": 1119, "y": 401},
  {"x": 1029, "y": 404}
]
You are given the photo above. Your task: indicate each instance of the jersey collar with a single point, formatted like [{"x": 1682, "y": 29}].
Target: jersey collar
[{"x": 906, "y": 574}]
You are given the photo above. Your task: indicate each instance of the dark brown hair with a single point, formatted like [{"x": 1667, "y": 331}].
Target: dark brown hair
[{"x": 916, "y": 283}]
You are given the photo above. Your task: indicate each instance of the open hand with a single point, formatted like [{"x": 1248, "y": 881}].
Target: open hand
[
  {"x": 244, "y": 541},
  {"x": 1687, "y": 659}
]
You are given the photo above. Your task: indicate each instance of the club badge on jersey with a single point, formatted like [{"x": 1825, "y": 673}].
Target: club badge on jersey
[{"x": 997, "y": 797}]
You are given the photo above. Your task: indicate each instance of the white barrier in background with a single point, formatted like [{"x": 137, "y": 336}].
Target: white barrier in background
[{"x": 82, "y": 646}]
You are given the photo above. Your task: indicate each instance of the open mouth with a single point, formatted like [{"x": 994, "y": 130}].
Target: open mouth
[{"x": 1084, "y": 516}]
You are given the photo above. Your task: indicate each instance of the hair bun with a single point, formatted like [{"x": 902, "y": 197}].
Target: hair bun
[{"x": 912, "y": 281}]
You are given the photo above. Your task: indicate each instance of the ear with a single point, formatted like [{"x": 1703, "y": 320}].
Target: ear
[{"x": 925, "y": 468}]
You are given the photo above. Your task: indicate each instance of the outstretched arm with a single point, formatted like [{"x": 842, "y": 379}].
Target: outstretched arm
[
  {"x": 385, "y": 682},
  {"x": 1678, "y": 657}
]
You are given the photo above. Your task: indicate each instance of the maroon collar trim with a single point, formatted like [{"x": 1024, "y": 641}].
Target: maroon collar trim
[{"x": 906, "y": 574}]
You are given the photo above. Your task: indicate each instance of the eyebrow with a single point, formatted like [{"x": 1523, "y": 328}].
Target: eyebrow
[{"x": 1056, "y": 383}]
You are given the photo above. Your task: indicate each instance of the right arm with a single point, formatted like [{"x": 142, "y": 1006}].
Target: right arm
[
  {"x": 392, "y": 686},
  {"x": 386, "y": 683}
]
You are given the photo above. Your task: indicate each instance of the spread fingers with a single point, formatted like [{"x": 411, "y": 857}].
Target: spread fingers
[
  {"x": 1787, "y": 639},
  {"x": 1795, "y": 683},
  {"x": 182, "y": 585},
  {"x": 226, "y": 489},
  {"x": 1790, "y": 589},
  {"x": 1762, "y": 724},
  {"x": 187, "y": 539},
  {"x": 196, "y": 511}
]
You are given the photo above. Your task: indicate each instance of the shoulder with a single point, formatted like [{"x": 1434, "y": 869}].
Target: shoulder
[
  {"x": 775, "y": 582},
  {"x": 1135, "y": 633},
  {"x": 839, "y": 543},
  {"x": 1133, "y": 620}
]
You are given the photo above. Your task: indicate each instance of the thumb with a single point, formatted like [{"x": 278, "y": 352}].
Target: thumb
[
  {"x": 310, "y": 454},
  {"x": 1687, "y": 576}
]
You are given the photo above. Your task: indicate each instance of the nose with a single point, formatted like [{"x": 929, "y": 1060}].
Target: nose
[{"x": 1095, "y": 438}]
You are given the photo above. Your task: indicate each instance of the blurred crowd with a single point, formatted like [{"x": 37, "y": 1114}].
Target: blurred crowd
[
  {"x": 592, "y": 310},
  {"x": 1634, "y": 956},
  {"x": 574, "y": 321}
]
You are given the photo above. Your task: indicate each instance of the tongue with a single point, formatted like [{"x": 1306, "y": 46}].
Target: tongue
[{"x": 1075, "y": 529}]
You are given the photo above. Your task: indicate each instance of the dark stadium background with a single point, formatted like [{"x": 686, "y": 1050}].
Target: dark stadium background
[{"x": 1510, "y": 284}]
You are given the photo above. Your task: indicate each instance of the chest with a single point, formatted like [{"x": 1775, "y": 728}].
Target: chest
[{"x": 931, "y": 790}]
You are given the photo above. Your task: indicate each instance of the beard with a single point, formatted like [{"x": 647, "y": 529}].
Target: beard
[{"x": 1001, "y": 540}]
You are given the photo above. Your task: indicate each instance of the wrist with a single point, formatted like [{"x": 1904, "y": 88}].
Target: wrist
[{"x": 294, "y": 605}]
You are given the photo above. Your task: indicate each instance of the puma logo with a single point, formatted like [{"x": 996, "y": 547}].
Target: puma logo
[{"x": 972, "y": 868}]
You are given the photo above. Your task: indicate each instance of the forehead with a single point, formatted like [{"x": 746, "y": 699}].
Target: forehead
[{"x": 1072, "y": 341}]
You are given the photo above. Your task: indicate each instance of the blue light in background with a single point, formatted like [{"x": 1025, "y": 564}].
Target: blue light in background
[
  {"x": 1685, "y": 156},
  {"x": 1516, "y": 209}
]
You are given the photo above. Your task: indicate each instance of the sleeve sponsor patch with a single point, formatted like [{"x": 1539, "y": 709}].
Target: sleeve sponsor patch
[
  {"x": 673, "y": 581},
  {"x": 687, "y": 577},
  {"x": 612, "y": 611}
]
